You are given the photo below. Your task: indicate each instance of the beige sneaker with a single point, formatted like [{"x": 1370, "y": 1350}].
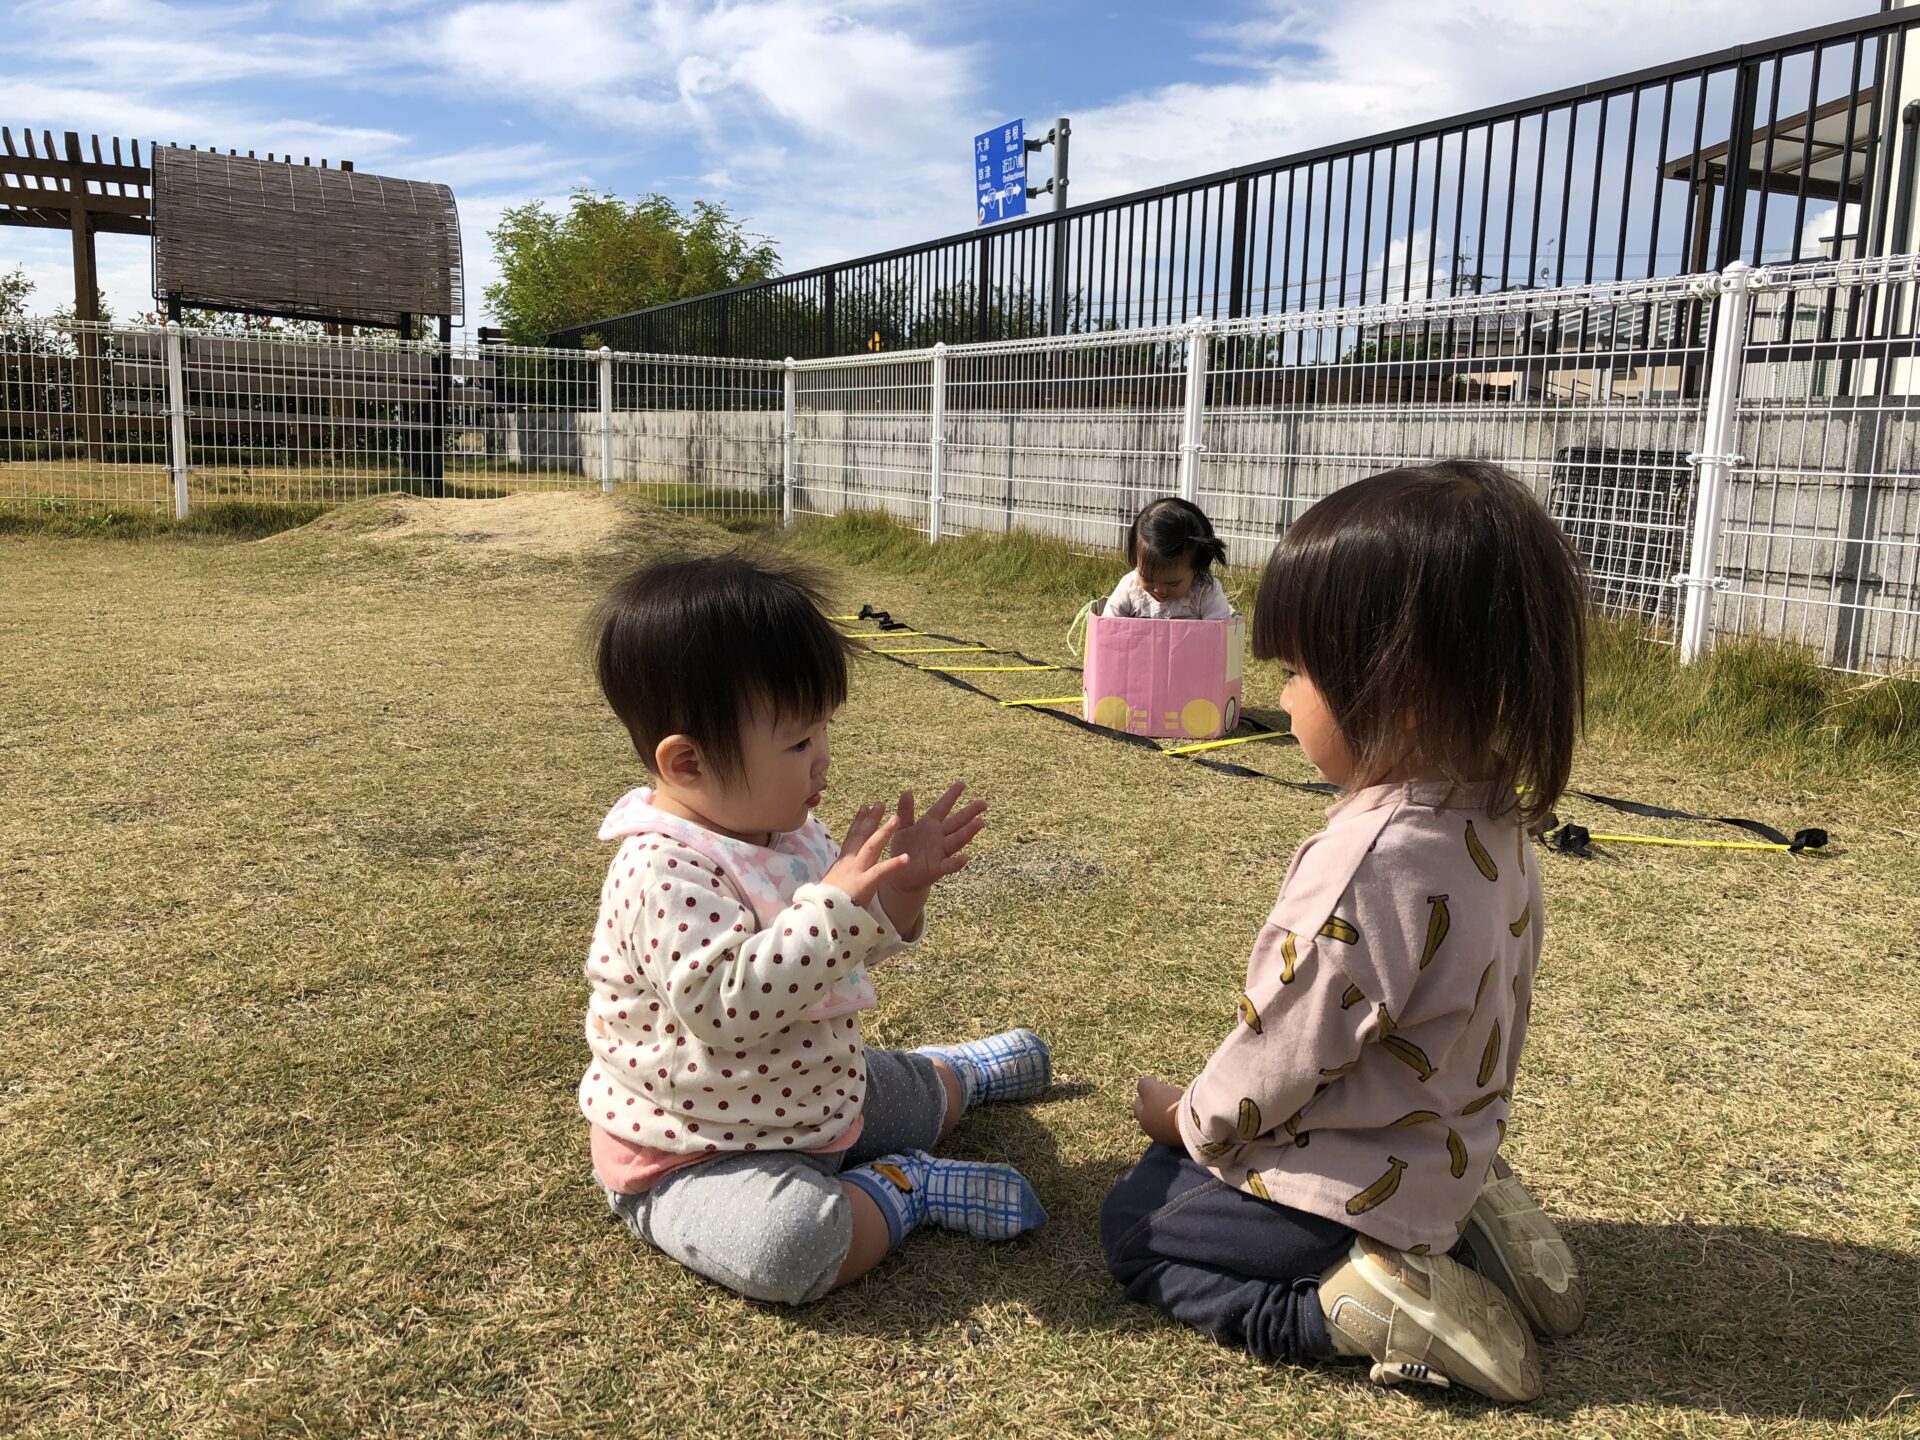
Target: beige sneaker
[
  {"x": 1429, "y": 1319},
  {"x": 1512, "y": 1242}
]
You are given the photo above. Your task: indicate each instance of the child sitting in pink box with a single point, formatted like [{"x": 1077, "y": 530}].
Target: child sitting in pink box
[{"x": 1172, "y": 549}]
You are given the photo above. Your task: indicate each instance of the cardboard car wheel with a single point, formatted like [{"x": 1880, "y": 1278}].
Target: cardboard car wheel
[{"x": 1168, "y": 679}]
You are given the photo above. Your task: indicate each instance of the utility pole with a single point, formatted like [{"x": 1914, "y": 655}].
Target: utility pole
[{"x": 1057, "y": 186}]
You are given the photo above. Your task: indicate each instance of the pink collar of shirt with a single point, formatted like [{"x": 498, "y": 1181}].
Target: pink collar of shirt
[{"x": 1431, "y": 794}]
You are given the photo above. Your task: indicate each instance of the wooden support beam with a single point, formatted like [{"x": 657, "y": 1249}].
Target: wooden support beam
[
  {"x": 88, "y": 397},
  {"x": 52, "y": 199},
  {"x": 104, "y": 172}
]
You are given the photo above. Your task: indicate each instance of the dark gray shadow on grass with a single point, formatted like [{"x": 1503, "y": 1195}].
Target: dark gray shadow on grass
[
  {"x": 1271, "y": 717},
  {"x": 1734, "y": 1320},
  {"x": 1740, "y": 1319}
]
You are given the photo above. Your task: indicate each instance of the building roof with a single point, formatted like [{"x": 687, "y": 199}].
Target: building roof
[{"x": 1815, "y": 142}]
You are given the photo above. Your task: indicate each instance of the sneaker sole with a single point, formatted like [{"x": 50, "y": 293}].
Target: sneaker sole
[
  {"x": 1475, "y": 1338},
  {"x": 1518, "y": 1248}
]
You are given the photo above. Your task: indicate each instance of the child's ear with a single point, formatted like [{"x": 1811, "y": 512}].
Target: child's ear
[{"x": 677, "y": 761}]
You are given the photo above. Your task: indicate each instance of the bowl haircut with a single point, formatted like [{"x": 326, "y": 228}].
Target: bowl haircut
[
  {"x": 698, "y": 646},
  {"x": 1174, "y": 529},
  {"x": 1439, "y": 602}
]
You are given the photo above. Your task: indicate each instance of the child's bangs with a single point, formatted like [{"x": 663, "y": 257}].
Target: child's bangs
[
  {"x": 798, "y": 671},
  {"x": 1288, "y": 612}
]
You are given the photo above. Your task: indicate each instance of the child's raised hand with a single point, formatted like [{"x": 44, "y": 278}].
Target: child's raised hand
[
  {"x": 864, "y": 866},
  {"x": 1154, "y": 1100},
  {"x": 932, "y": 845}
]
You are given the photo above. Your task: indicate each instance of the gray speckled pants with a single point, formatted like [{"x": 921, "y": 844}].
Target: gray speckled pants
[{"x": 777, "y": 1227}]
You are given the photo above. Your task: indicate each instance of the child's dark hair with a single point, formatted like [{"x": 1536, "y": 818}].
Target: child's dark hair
[
  {"x": 691, "y": 647},
  {"x": 1174, "y": 529},
  {"x": 1446, "y": 596}
]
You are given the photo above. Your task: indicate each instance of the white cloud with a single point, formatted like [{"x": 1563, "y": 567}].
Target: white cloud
[
  {"x": 171, "y": 62},
  {"x": 491, "y": 165},
  {"x": 143, "y": 45},
  {"x": 1821, "y": 225},
  {"x": 838, "y": 72},
  {"x": 570, "y": 52},
  {"x": 185, "y": 121}
]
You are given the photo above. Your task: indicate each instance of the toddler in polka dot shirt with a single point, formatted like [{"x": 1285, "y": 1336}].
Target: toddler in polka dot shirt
[{"x": 738, "y": 1122}]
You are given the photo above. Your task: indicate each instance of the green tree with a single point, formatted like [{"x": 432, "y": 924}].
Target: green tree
[
  {"x": 1394, "y": 347},
  {"x": 15, "y": 287},
  {"x": 240, "y": 326},
  {"x": 605, "y": 256}
]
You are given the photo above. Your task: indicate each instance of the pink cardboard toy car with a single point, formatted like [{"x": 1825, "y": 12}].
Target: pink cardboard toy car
[{"x": 1172, "y": 679}]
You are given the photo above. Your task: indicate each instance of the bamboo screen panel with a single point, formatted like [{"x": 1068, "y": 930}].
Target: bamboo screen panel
[{"x": 238, "y": 233}]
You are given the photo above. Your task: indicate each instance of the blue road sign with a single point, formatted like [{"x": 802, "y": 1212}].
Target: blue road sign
[{"x": 1000, "y": 173}]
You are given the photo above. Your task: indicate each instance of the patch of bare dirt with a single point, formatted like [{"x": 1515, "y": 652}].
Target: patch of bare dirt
[{"x": 553, "y": 524}]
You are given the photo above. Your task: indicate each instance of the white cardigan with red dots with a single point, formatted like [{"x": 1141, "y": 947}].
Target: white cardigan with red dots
[{"x": 727, "y": 983}]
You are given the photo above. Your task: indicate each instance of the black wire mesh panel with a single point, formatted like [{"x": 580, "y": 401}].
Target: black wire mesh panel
[
  {"x": 235, "y": 233},
  {"x": 1625, "y": 511}
]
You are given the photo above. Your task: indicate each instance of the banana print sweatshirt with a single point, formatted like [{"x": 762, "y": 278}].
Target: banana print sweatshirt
[
  {"x": 726, "y": 985},
  {"x": 1370, "y": 1070}
]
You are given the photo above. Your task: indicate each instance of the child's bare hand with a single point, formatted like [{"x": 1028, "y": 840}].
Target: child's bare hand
[
  {"x": 1154, "y": 1102},
  {"x": 863, "y": 866},
  {"x": 933, "y": 844}
]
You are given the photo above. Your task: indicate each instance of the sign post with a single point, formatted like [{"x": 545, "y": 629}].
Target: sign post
[{"x": 1000, "y": 173}]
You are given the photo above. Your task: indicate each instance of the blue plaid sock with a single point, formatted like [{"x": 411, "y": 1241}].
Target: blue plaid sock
[
  {"x": 992, "y": 1202},
  {"x": 1009, "y": 1066}
]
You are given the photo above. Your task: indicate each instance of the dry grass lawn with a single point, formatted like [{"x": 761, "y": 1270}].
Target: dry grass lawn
[
  {"x": 81, "y": 488},
  {"x": 296, "y": 866}
]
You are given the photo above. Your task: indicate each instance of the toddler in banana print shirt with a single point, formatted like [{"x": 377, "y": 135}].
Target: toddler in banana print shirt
[{"x": 1303, "y": 1192}]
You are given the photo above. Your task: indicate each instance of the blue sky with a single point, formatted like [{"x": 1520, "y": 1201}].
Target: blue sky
[{"x": 834, "y": 128}]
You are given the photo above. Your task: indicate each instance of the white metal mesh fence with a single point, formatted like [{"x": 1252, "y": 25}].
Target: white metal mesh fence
[
  {"x": 698, "y": 435},
  {"x": 1601, "y": 397},
  {"x": 1067, "y": 440},
  {"x": 1587, "y": 395},
  {"x": 1821, "y": 538},
  {"x": 73, "y": 434},
  {"x": 89, "y": 418},
  {"x": 863, "y": 435}
]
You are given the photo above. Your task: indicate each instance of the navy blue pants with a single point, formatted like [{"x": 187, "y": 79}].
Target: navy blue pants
[{"x": 1244, "y": 1270}]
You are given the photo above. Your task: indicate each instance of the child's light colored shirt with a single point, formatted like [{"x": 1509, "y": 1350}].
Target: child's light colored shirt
[
  {"x": 1370, "y": 1073},
  {"x": 727, "y": 982},
  {"x": 1204, "y": 601}
]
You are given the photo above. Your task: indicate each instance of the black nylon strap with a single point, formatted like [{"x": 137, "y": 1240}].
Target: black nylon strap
[
  {"x": 1660, "y": 812},
  {"x": 1568, "y": 839}
]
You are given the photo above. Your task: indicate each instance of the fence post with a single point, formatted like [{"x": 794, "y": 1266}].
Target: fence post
[
  {"x": 1197, "y": 331},
  {"x": 788, "y": 441},
  {"x": 606, "y": 419},
  {"x": 177, "y": 417},
  {"x": 937, "y": 455},
  {"x": 1713, "y": 462}
]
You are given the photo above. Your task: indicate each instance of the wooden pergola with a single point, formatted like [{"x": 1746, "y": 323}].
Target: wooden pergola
[{"x": 87, "y": 190}]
